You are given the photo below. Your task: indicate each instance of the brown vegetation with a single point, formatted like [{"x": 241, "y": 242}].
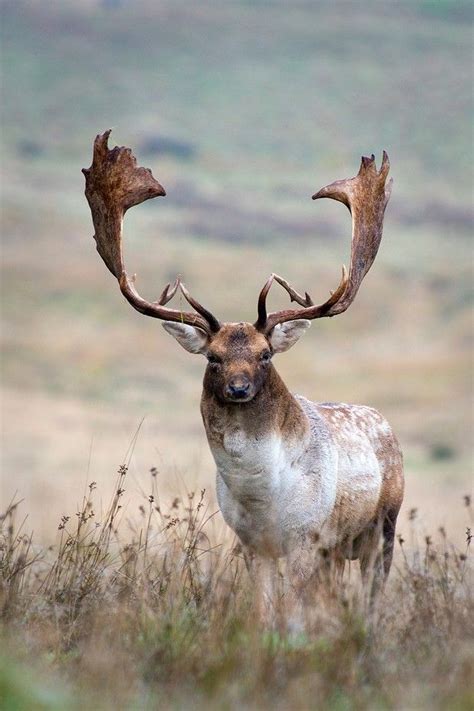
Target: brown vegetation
[{"x": 173, "y": 601}]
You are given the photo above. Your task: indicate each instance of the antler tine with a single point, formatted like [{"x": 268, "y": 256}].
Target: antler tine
[
  {"x": 336, "y": 295},
  {"x": 366, "y": 197},
  {"x": 262, "y": 304},
  {"x": 168, "y": 293},
  {"x": 114, "y": 183},
  {"x": 212, "y": 321},
  {"x": 305, "y": 300}
]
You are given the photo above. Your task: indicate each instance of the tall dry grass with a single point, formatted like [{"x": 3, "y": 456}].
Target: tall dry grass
[{"x": 163, "y": 615}]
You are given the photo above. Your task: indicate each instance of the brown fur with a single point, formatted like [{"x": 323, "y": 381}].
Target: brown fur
[
  {"x": 273, "y": 408},
  {"x": 387, "y": 450}
]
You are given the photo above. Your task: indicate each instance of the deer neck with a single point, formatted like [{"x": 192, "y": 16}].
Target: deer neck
[{"x": 272, "y": 414}]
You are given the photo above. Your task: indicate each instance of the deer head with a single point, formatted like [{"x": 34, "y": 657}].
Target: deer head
[{"x": 239, "y": 354}]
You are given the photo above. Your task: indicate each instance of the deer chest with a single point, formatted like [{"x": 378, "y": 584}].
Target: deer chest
[{"x": 266, "y": 492}]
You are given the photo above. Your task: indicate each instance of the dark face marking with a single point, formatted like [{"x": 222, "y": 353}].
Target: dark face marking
[{"x": 238, "y": 362}]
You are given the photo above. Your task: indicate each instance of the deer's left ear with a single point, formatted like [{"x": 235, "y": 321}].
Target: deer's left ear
[{"x": 285, "y": 335}]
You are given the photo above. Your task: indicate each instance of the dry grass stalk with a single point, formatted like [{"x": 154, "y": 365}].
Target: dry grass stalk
[{"x": 166, "y": 619}]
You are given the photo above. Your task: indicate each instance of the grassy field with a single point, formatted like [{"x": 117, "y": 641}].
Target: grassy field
[
  {"x": 167, "y": 619},
  {"x": 242, "y": 110}
]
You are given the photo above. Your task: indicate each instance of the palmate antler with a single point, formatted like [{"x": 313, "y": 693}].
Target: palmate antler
[
  {"x": 366, "y": 196},
  {"x": 114, "y": 183}
]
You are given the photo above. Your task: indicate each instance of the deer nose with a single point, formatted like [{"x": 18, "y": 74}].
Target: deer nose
[{"x": 238, "y": 387}]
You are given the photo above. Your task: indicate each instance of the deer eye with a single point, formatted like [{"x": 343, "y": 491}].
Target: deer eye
[
  {"x": 266, "y": 357},
  {"x": 213, "y": 359}
]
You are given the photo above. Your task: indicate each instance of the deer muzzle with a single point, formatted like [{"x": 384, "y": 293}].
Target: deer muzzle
[{"x": 239, "y": 388}]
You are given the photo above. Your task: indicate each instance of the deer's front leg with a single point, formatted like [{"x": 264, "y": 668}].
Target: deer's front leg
[
  {"x": 313, "y": 566},
  {"x": 263, "y": 573}
]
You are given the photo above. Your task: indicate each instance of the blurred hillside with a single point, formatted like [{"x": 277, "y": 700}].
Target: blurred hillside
[{"x": 242, "y": 110}]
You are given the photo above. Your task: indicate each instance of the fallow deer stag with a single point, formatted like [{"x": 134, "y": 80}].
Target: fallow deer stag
[{"x": 289, "y": 471}]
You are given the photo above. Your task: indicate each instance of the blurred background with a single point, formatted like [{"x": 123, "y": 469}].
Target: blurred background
[{"x": 242, "y": 110}]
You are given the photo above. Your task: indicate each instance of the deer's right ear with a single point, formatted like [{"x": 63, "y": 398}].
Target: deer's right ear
[{"x": 192, "y": 338}]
